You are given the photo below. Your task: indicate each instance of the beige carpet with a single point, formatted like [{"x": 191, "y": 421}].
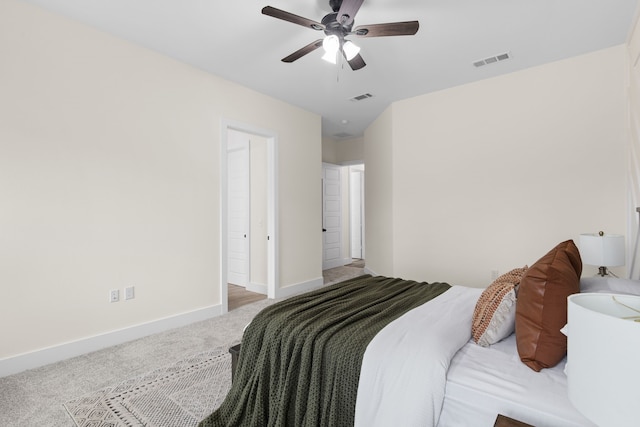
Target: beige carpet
[
  {"x": 178, "y": 395},
  {"x": 358, "y": 263},
  {"x": 348, "y": 271},
  {"x": 36, "y": 397}
]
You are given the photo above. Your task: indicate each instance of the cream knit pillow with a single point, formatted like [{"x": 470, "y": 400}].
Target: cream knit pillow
[{"x": 495, "y": 312}]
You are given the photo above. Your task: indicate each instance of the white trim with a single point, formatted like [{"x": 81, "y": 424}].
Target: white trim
[
  {"x": 273, "y": 245},
  {"x": 351, "y": 163},
  {"x": 224, "y": 291},
  {"x": 22, "y": 362},
  {"x": 368, "y": 271},
  {"x": 300, "y": 288}
]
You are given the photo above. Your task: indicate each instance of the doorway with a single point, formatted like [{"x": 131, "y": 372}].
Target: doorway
[
  {"x": 343, "y": 223},
  {"x": 332, "y": 252},
  {"x": 248, "y": 211}
]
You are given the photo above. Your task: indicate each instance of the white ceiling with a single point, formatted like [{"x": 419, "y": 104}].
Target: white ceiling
[{"x": 232, "y": 39}]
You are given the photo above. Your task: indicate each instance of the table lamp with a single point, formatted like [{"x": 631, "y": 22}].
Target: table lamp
[
  {"x": 603, "y": 344},
  {"x": 602, "y": 250}
]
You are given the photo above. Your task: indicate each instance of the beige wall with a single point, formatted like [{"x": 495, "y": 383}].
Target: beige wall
[
  {"x": 350, "y": 150},
  {"x": 378, "y": 195},
  {"x": 344, "y": 151},
  {"x": 329, "y": 151},
  {"x": 109, "y": 176},
  {"x": 491, "y": 175}
]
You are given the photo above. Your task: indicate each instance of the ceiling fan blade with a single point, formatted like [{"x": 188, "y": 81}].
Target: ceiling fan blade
[
  {"x": 356, "y": 62},
  {"x": 348, "y": 11},
  {"x": 408, "y": 28},
  {"x": 303, "y": 51},
  {"x": 290, "y": 17}
]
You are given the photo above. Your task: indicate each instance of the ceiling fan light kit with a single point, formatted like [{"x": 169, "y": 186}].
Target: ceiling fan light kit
[
  {"x": 331, "y": 45},
  {"x": 350, "y": 50},
  {"x": 337, "y": 26}
]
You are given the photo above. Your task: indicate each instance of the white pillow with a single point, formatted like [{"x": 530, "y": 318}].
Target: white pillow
[{"x": 494, "y": 317}]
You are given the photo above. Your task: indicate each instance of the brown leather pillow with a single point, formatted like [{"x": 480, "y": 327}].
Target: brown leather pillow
[{"x": 541, "y": 307}]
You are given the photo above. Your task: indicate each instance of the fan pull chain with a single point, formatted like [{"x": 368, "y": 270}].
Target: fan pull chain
[{"x": 340, "y": 65}]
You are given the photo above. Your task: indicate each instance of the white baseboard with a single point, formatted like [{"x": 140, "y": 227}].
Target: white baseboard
[
  {"x": 299, "y": 288},
  {"x": 368, "y": 271},
  {"x": 22, "y": 362}
]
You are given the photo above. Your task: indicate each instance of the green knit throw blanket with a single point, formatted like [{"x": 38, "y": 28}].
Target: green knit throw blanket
[{"x": 300, "y": 360}]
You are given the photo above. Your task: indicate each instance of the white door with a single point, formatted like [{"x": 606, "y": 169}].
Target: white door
[
  {"x": 238, "y": 182},
  {"x": 331, "y": 217},
  {"x": 356, "y": 212}
]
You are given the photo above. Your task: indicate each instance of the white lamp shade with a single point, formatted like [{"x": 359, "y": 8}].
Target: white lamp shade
[
  {"x": 331, "y": 44},
  {"x": 602, "y": 251},
  {"x": 331, "y": 57},
  {"x": 350, "y": 50},
  {"x": 602, "y": 358}
]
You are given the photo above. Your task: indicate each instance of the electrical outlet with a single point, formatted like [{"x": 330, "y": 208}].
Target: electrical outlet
[
  {"x": 129, "y": 292},
  {"x": 114, "y": 295}
]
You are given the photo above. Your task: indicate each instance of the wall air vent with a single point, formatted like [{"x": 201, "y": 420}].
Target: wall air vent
[
  {"x": 492, "y": 59},
  {"x": 361, "y": 97}
]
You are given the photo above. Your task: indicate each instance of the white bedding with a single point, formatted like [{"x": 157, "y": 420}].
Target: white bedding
[
  {"x": 410, "y": 364},
  {"x": 483, "y": 382},
  {"x": 404, "y": 369}
]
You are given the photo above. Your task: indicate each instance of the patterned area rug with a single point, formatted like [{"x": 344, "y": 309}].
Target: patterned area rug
[{"x": 175, "y": 396}]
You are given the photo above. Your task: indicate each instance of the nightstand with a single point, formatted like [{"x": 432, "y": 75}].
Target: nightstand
[{"x": 503, "y": 421}]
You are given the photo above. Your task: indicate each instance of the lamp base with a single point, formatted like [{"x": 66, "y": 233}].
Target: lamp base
[{"x": 603, "y": 272}]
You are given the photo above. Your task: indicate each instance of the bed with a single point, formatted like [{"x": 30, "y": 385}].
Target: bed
[{"x": 375, "y": 351}]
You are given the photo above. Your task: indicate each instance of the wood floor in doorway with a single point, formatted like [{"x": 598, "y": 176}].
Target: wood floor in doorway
[{"x": 239, "y": 296}]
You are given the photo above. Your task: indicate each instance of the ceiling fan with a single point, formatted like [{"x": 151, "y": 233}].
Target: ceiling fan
[{"x": 337, "y": 26}]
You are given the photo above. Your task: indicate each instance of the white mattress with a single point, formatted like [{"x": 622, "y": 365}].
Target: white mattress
[{"x": 484, "y": 382}]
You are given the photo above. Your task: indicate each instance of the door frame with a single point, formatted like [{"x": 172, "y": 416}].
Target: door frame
[
  {"x": 359, "y": 169},
  {"x": 272, "y": 205}
]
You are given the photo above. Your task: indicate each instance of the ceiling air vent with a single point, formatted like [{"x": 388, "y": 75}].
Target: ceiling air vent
[
  {"x": 343, "y": 135},
  {"x": 361, "y": 97},
  {"x": 492, "y": 59}
]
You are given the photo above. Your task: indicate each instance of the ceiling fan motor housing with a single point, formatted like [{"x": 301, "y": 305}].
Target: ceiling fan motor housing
[
  {"x": 335, "y": 5},
  {"x": 333, "y": 27}
]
